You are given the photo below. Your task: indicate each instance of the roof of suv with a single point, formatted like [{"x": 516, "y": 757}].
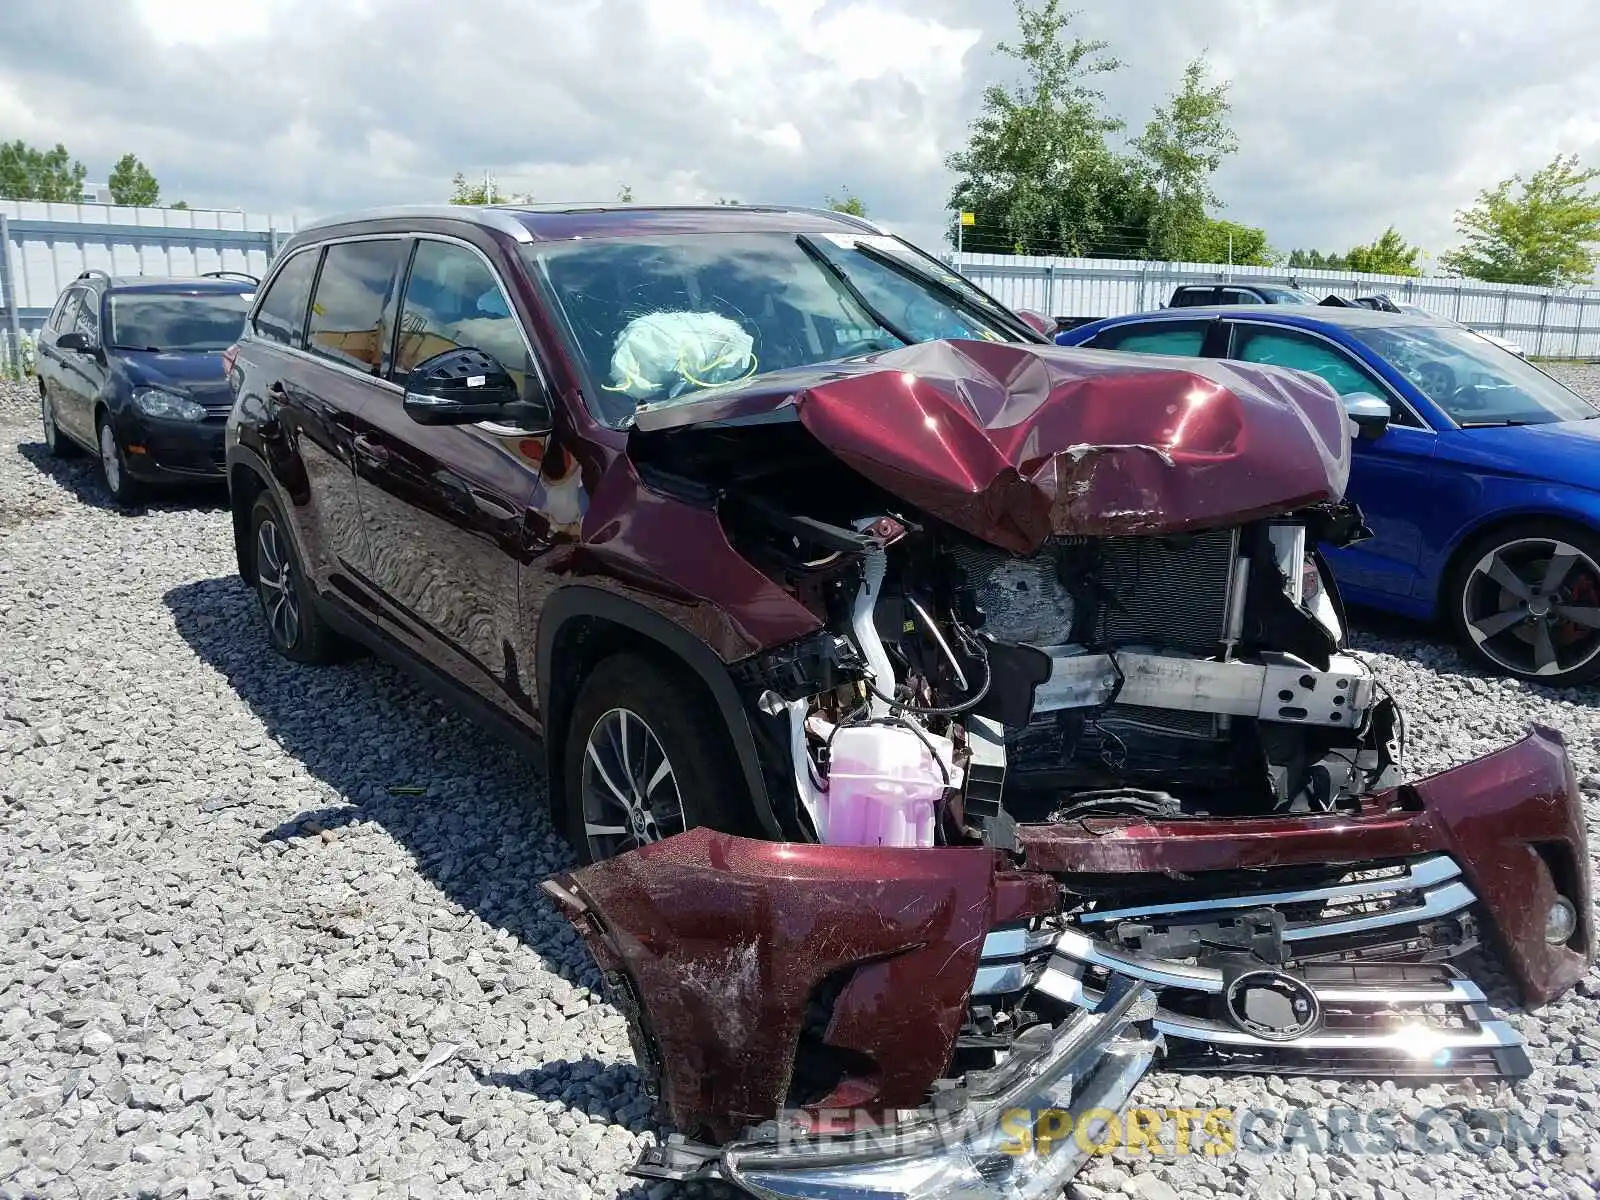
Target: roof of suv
[{"x": 536, "y": 223}]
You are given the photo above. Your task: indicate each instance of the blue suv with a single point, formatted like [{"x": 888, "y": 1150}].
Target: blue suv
[{"x": 131, "y": 370}]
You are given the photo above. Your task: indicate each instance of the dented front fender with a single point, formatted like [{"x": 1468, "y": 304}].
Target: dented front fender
[{"x": 725, "y": 952}]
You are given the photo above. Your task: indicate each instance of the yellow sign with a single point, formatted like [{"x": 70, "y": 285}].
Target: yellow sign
[{"x": 968, "y": 218}]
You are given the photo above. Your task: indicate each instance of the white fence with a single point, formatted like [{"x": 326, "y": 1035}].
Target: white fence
[
  {"x": 44, "y": 247},
  {"x": 1548, "y": 322}
]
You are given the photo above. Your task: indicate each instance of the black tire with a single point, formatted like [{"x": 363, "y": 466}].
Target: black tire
[
  {"x": 294, "y": 626},
  {"x": 705, "y": 778},
  {"x": 1497, "y": 603},
  {"x": 122, "y": 487},
  {"x": 57, "y": 443}
]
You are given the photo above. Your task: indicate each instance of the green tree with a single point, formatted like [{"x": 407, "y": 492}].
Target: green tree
[
  {"x": 179, "y": 204},
  {"x": 132, "y": 183},
  {"x": 28, "y": 173},
  {"x": 625, "y": 194},
  {"x": 1182, "y": 147},
  {"x": 472, "y": 191},
  {"x": 1541, "y": 230},
  {"x": 1041, "y": 177},
  {"x": 1215, "y": 239},
  {"x": 1389, "y": 255},
  {"x": 848, "y": 203},
  {"x": 1316, "y": 260},
  {"x": 1036, "y": 169}
]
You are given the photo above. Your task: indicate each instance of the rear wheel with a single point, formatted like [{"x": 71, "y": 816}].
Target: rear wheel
[
  {"x": 124, "y": 489},
  {"x": 1526, "y": 602},
  {"x": 295, "y": 628},
  {"x": 646, "y": 757},
  {"x": 57, "y": 443}
]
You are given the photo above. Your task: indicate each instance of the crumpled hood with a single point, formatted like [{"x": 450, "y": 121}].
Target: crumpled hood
[{"x": 1015, "y": 443}]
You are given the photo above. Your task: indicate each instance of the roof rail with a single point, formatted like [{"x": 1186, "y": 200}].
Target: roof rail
[
  {"x": 231, "y": 275},
  {"x": 92, "y": 272}
]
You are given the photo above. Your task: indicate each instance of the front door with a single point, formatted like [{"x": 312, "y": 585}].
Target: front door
[{"x": 444, "y": 506}]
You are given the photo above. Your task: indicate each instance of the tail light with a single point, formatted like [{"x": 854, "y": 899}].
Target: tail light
[{"x": 229, "y": 357}]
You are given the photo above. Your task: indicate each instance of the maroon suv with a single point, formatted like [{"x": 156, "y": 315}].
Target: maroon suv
[{"x": 952, "y": 721}]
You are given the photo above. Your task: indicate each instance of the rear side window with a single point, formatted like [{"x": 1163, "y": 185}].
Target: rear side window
[
  {"x": 66, "y": 311},
  {"x": 353, "y": 289},
  {"x": 1194, "y": 297},
  {"x": 282, "y": 314},
  {"x": 453, "y": 300},
  {"x": 1168, "y": 337},
  {"x": 1238, "y": 296}
]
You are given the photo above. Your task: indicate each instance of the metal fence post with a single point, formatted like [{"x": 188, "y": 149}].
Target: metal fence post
[
  {"x": 8, "y": 296},
  {"x": 1456, "y": 316},
  {"x": 1050, "y": 290},
  {"x": 1544, "y": 321},
  {"x": 1505, "y": 313},
  {"x": 1577, "y": 330}
]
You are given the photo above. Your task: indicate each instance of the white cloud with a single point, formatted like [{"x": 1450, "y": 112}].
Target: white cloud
[{"x": 1352, "y": 114}]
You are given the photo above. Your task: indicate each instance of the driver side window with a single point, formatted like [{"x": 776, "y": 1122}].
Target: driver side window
[
  {"x": 1302, "y": 352},
  {"x": 452, "y": 300}
]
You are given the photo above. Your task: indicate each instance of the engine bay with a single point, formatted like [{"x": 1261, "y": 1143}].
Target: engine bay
[{"x": 969, "y": 689}]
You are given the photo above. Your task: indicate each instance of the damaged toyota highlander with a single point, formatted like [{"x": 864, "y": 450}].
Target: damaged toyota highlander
[{"x": 953, "y": 724}]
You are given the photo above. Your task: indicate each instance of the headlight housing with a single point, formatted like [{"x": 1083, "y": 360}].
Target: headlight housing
[{"x": 157, "y": 402}]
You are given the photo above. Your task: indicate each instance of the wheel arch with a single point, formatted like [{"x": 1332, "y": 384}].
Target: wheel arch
[
  {"x": 579, "y": 626},
  {"x": 1496, "y": 523},
  {"x": 245, "y": 484}
]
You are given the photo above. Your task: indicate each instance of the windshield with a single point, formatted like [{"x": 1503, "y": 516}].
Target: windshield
[
  {"x": 1286, "y": 296},
  {"x": 194, "y": 324},
  {"x": 1475, "y": 382},
  {"x": 657, "y": 319}
]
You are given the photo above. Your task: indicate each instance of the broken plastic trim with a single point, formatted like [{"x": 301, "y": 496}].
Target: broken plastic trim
[{"x": 1090, "y": 1068}]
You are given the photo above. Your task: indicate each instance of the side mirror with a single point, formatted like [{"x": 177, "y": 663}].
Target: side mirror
[
  {"x": 1368, "y": 413},
  {"x": 75, "y": 341},
  {"x": 1036, "y": 322},
  {"x": 467, "y": 385}
]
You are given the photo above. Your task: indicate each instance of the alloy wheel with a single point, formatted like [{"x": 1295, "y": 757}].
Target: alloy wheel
[
  {"x": 1532, "y": 606},
  {"x": 630, "y": 792},
  {"x": 110, "y": 459},
  {"x": 276, "y": 586}
]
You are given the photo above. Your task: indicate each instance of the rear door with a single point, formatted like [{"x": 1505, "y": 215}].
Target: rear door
[
  {"x": 317, "y": 336},
  {"x": 444, "y": 506},
  {"x": 1391, "y": 476},
  {"x": 51, "y": 364},
  {"x": 82, "y": 372}
]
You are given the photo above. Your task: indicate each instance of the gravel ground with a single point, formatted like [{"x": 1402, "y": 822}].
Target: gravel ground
[{"x": 238, "y": 957}]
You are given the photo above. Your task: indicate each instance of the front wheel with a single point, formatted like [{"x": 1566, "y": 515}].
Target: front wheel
[
  {"x": 646, "y": 757},
  {"x": 1526, "y": 602},
  {"x": 124, "y": 489}
]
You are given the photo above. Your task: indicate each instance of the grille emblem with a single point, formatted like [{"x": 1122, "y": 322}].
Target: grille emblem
[{"x": 1272, "y": 1005}]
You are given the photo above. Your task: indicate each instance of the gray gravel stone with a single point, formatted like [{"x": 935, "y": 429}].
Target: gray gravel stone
[{"x": 313, "y": 987}]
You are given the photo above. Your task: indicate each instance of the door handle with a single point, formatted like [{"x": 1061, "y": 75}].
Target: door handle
[{"x": 371, "y": 451}]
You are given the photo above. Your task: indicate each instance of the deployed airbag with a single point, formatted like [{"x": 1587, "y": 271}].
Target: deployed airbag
[{"x": 659, "y": 354}]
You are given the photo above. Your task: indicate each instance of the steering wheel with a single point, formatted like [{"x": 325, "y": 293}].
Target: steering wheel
[{"x": 1437, "y": 380}]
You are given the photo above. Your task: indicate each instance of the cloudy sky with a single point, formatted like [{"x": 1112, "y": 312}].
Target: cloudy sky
[{"x": 1351, "y": 113}]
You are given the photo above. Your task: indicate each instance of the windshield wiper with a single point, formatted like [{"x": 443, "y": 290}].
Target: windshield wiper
[
  {"x": 1497, "y": 424},
  {"x": 952, "y": 294},
  {"x": 820, "y": 257}
]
